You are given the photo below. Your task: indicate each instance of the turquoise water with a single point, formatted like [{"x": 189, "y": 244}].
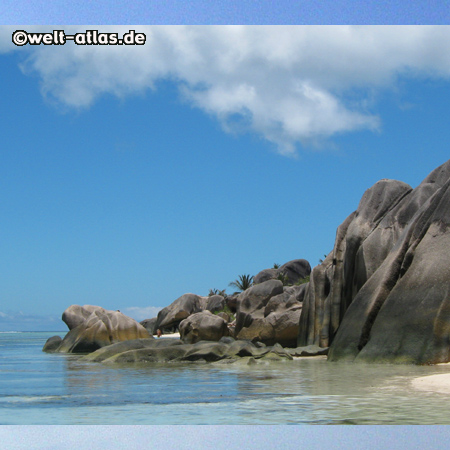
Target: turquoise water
[{"x": 51, "y": 389}]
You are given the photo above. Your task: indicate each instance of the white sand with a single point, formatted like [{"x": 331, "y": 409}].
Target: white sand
[
  {"x": 435, "y": 383},
  {"x": 311, "y": 357},
  {"x": 166, "y": 336}
]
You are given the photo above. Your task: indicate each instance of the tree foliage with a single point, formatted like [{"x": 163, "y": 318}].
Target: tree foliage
[{"x": 242, "y": 283}]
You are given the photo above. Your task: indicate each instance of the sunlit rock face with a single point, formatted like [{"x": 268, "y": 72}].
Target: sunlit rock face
[
  {"x": 92, "y": 327},
  {"x": 383, "y": 293}
]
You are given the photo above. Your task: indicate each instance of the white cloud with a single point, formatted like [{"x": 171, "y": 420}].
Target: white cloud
[
  {"x": 140, "y": 314},
  {"x": 289, "y": 84}
]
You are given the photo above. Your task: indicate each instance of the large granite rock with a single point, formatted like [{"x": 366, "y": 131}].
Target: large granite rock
[
  {"x": 92, "y": 327},
  {"x": 383, "y": 294},
  {"x": 203, "y": 326},
  {"x": 294, "y": 271},
  {"x": 180, "y": 309}
]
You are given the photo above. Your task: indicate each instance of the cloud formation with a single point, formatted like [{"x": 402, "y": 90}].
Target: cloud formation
[{"x": 289, "y": 84}]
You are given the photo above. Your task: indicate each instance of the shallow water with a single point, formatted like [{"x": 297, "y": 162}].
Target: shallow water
[{"x": 39, "y": 388}]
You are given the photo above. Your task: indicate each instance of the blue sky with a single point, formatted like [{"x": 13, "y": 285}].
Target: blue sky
[
  {"x": 222, "y": 12},
  {"x": 130, "y": 176}
]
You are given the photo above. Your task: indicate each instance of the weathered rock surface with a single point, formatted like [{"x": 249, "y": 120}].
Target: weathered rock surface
[
  {"x": 203, "y": 326},
  {"x": 75, "y": 315},
  {"x": 149, "y": 325},
  {"x": 270, "y": 313},
  {"x": 309, "y": 350},
  {"x": 285, "y": 324},
  {"x": 294, "y": 270},
  {"x": 225, "y": 316},
  {"x": 172, "y": 350},
  {"x": 98, "y": 328},
  {"x": 251, "y": 303},
  {"x": 52, "y": 344},
  {"x": 215, "y": 303},
  {"x": 265, "y": 275},
  {"x": 289, "y": 297},
  {"x": 383, "y": 294},
  {"x": 180, "y": 309},
  {"x": 231, "y": 302}
]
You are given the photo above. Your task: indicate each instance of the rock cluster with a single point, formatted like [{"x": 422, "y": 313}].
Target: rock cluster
[
  {"x": 270, "y": 313},
  {"x": 171, "y": 316}
]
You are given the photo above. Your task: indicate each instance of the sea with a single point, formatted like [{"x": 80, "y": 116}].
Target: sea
[{"x": 38, "y": 388}]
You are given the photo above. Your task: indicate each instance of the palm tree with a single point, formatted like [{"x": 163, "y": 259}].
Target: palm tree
[
  {"x": 243, "y": 283},
  {"x": 217, "y": 292}
]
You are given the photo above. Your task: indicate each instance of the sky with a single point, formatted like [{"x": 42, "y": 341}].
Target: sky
[
  {"x": 131, "y": 175},
  {"x": 223, "y": 12}
]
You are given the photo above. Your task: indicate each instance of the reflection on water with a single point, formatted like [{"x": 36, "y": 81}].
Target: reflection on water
[{"x": 38, "y": 388}]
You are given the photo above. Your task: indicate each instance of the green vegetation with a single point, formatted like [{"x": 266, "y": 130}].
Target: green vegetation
[
  {"x": 303, "y": 281},
  {"x": 217, "y": 292},
  {"x": 283, "y": 278},
  {"x": 243, "y": 283},
  {"x": 226, "y": 310},
  {"x": 276, "y": 266}
]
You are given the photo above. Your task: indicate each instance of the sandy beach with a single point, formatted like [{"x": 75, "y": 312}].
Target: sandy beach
[
  {"x": 169, "y": 336},
  {"x": 435, "y": 383}
]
